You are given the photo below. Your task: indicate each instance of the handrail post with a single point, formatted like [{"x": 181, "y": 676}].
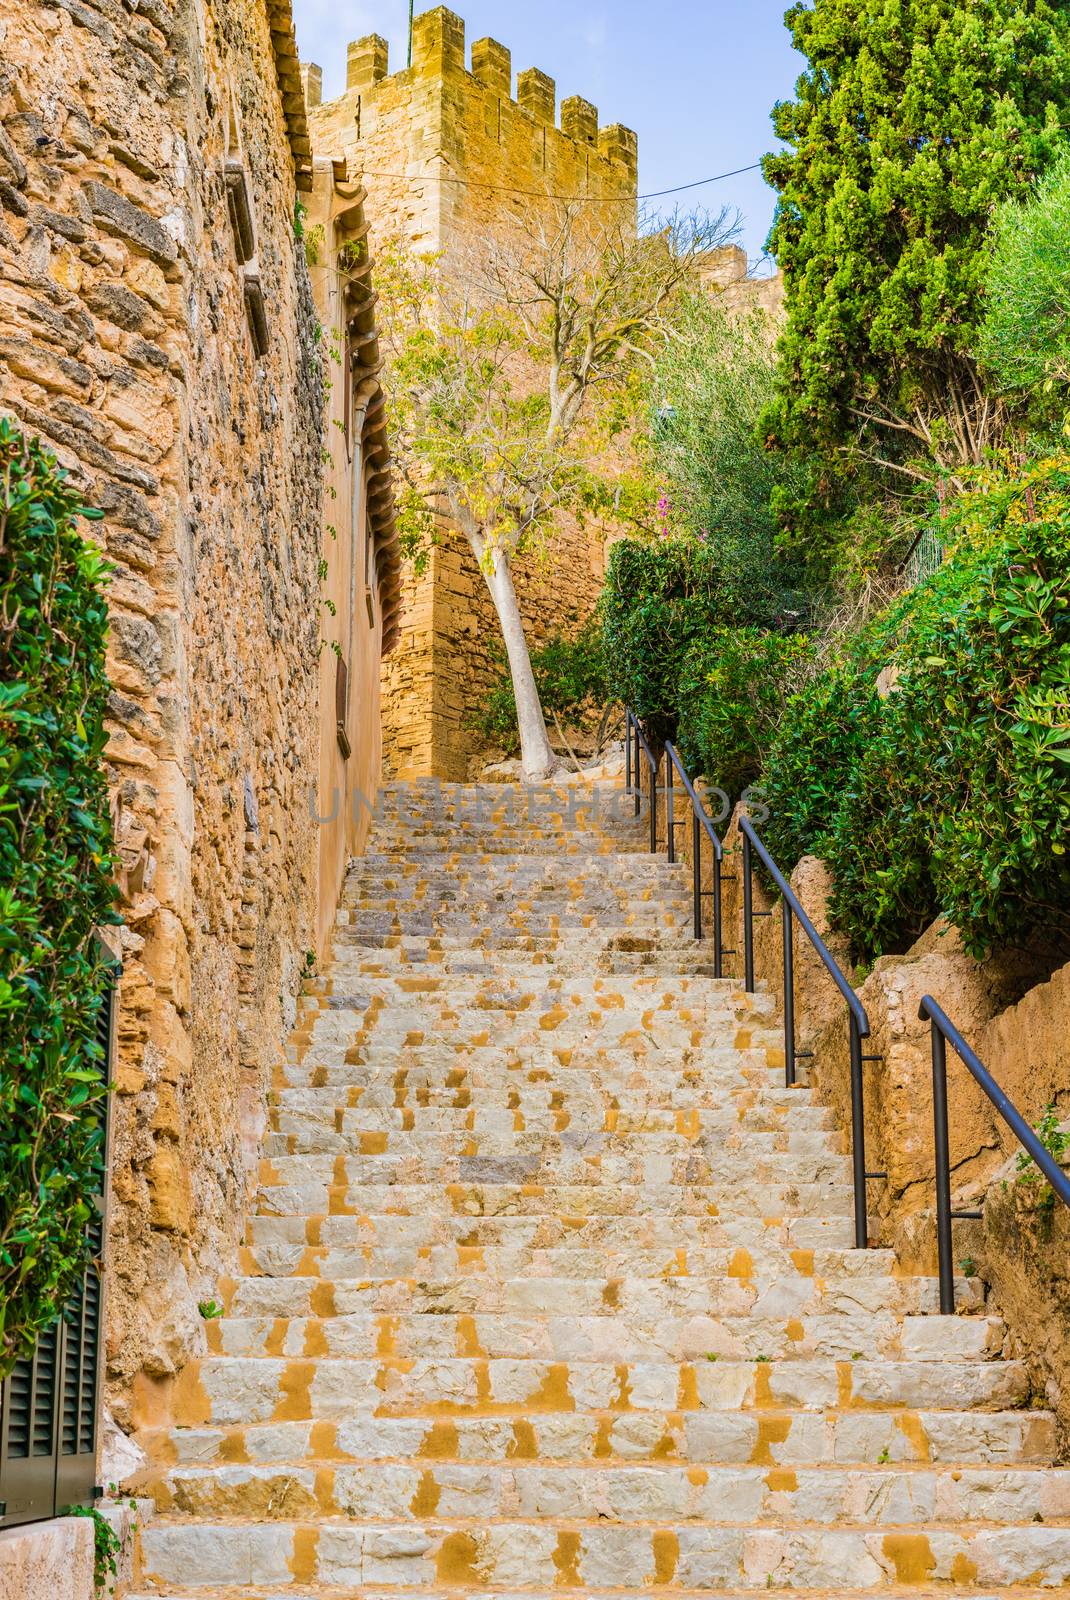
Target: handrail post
[
  {"x": 858, "y": 1138},
  {"x": 654, "y": 809},
  {"x": 696, "y": 865},
  {"x": 628, "y": 750},
  {"x": 748, "y": 919},
  {"x": 670, "y": 809},
  {"x": 943, "y": 1174},
  {"x": 718, "y": 925},
  {"x": 789, "y": 997}
]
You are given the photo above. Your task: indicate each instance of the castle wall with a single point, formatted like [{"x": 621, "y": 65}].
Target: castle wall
[
  {"x": 458, "y": 164},
  {"x": 183, "y": 387}
]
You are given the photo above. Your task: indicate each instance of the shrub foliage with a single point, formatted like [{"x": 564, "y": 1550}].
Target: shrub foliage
[
  {"x": 659, "y": 599},
  {"x": 1025, "y": 336},
  {"x": 951, "y": 793},
  {"x": 55, "y": 887},
  {"x": 731, "y": 693}
]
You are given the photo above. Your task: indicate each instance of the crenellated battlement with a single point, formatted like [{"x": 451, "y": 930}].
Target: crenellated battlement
[{"x": 439, "y": 54}]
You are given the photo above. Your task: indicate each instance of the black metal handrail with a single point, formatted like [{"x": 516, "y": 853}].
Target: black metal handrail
[
  {"x": 634, "y": 741},
  {"x": 944, "y": 1033},
  {"x": 700, "y": 824},
  {"x": 858, "y": 1023}
]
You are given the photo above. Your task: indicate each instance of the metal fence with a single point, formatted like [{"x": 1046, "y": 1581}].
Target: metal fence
[{"x": 50, "y": 1404}]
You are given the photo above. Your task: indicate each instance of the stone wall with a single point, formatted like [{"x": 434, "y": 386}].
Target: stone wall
[
  {"x": 453, "y": 162},
  {"x": 157, "y": 330},
  {"x": 725, "y": 273},
  {"x": 450, "y": 651}
]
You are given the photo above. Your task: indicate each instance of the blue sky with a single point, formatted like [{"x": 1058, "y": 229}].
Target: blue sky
[{"x": 695, "y": 78}]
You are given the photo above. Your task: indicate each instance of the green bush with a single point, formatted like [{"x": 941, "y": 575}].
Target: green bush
[
  {"x": 730, "y": 697},
  {"x": 1025, "y": 335},
  {"x": 816, "y": 748},
  {"x": 659, "y": 599},
  {"x": 570, "y": 677},
  {"x": 55, "y": 887},
  {"x": 952, "y": 793},
  {"x": 714, "y": 379}
]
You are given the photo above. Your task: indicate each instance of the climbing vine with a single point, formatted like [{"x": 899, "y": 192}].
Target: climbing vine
[{"x": 55, "y": 886}]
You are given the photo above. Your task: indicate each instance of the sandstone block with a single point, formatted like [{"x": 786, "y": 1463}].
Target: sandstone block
[
  {"x": 367, "y": 62},
  {"x": 47, "y": 1561},
  {"x": 119, "y": 216},
  {"x": 41, "y": 365},
  {"x": 492, "y": 64}
]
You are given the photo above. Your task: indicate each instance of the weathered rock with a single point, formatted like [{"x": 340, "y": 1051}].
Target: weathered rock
[{"x": 121, "y": 217}]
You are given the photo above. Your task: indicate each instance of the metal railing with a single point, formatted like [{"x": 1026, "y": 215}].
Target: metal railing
[
  {"x": 636, "y": 745},
  {"x": 858, "y": 1021},
  {"x": 945, "y": 1033}
]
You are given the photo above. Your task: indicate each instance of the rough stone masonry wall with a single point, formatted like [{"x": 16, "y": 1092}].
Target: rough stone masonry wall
[
  {"x": 125, "y": 343},
  {"x": 411, "y": 135}
]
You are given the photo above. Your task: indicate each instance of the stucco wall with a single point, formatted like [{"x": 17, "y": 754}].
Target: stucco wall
[
  {"x": 125, "y": 342},
  {"x": 359, "y": 605}
]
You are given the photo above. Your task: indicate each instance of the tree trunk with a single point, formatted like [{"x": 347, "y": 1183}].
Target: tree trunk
[{"x": 538, "y": 759}]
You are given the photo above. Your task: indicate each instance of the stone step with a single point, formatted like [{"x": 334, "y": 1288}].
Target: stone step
[
  {"x": 587, "y": 1161},
  {"x": 527, "y": 1089},
  {"x": 782, "y": 1437},
  {"x": 699, "y": 1070},
  {"x": 349, "y": 1193},
  {"x": 401, "y": 1082},
  {"x": 614, "y": 1031},
  {"x": 610, "y": 1236},
  {"x": 662, "y": 1114},
  {"x": 591, "y": 1164},
  {"x": 509, "y": 948},
  {"x": 320, "y": 1591},
  {"x": 420, "y": 1252},
  {"x": 227, "y": 1390},
  {"x": 588, "y": 1556},
  {"x": 355, "y": 1197},
  {"x": 661, "y": 1296},
  {"x": 605, "y": 1232},
  {"x": 688, "y": 1333},
  {"x": 827, "y": 1496}
]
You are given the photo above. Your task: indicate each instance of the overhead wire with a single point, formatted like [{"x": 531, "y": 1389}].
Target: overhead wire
[{"x": 569, "y": 199}]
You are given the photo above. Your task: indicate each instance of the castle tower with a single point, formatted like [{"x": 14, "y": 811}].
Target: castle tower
[{"x": 455, "y": 162}]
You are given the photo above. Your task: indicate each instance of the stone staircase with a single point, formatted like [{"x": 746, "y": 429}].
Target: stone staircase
[{"x": 550, "y": 1288}]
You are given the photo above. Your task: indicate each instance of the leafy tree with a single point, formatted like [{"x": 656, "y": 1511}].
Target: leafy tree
[
  {"x": 913, "y": 119},
  {"x": 1025, "y": 336},
  {"x": 55, "y": 887},
  {"x": 714, "y": 379},
  {"x": 505, "y": 395}
]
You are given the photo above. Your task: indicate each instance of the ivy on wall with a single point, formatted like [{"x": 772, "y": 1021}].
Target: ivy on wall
[{"x": 56, "y": 871}]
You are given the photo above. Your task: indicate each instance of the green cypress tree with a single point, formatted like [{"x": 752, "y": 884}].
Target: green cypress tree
[{"x": 912, "y": 122}]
